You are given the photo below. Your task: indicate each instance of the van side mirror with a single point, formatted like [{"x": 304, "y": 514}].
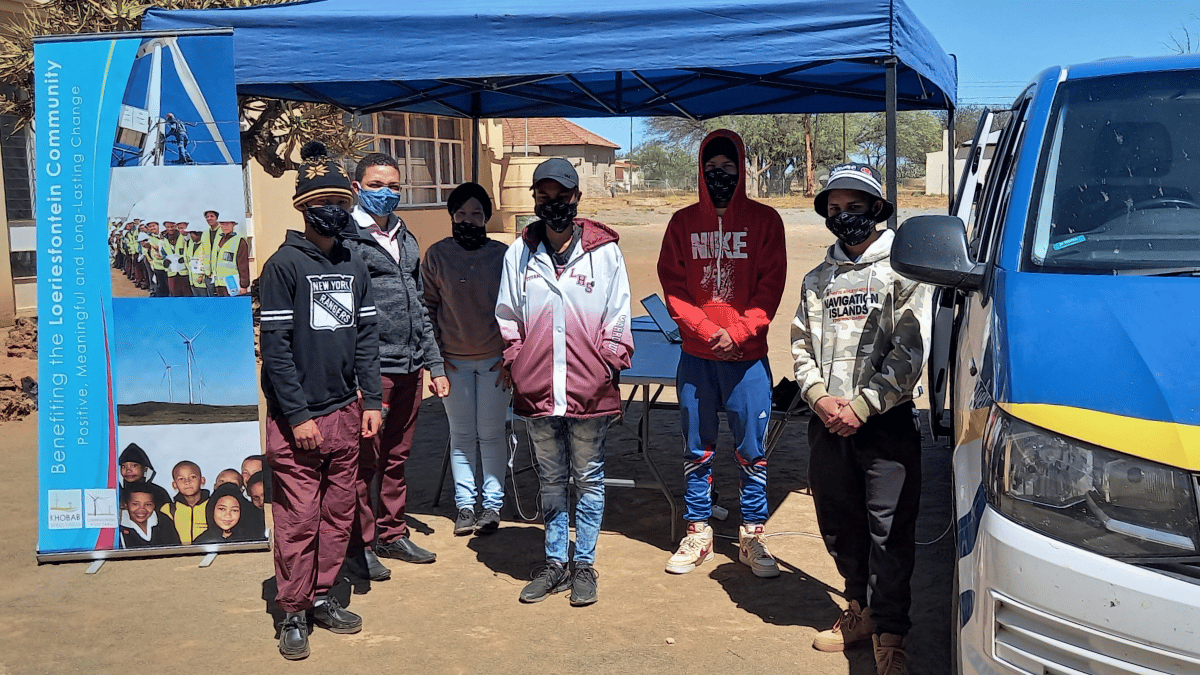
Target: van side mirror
[{"x": 933, "y": 250}]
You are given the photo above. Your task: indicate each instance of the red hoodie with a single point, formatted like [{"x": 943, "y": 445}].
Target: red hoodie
[{"x": 736, "y": 285}]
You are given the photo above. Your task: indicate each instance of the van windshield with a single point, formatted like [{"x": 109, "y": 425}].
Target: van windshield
[{"x": 1119, "y": 177}]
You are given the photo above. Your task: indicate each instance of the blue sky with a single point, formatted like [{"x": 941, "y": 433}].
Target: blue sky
[
  {"x": 224, "y": 350},
  {"x": 1002, "y": 44}
]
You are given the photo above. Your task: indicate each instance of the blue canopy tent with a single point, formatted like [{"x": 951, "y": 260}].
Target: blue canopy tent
[{"x": 525, "y": 58}]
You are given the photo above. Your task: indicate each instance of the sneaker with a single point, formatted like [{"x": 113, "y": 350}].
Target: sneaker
[
  {"x": 696, "y": 548},
  {"x": 465, "y": 522},
  {"x": 583, "y": 585},
  {"x": 548, "y": 579},
  {"x": 489, "y": 522},
  {"x": 890, "y": 658},
  {"x": 752, "y": 551},
  {"x": 402, "y": 548},
  {"x": 329, "y": 614},
  {"x": 293, "y": 637},
  {"x": 855, "y": 626}
]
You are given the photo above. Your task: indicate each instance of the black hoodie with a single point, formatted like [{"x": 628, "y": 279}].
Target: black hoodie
[
  {"x": 319, "y": 338},
  {"x": 249, "y": 526},
  {"x": 134, "y": 453}
]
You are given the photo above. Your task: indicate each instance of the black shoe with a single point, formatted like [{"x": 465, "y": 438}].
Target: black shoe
[
  {"x": 548, "y": 579},
  {"x": 293, "y": 637},
  {"x": 465, "y": 522},
  {"x": 489, "y": 522},
  {"x": 334, "y": 618},
  {"x": 375, "y": 568},
  {"x": 403, "y": 549},
  {"x": 354, "y": 572},
  {"x": 583, "y": 585}
]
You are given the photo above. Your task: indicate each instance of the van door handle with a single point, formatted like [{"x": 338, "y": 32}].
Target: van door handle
[{"x": 973, "y": 369}]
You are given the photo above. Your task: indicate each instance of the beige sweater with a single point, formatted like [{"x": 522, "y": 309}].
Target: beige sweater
[{"x": 461, "y": 287}]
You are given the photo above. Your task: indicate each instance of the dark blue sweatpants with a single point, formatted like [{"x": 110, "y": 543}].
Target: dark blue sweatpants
[{"x": 743, "y": 388}]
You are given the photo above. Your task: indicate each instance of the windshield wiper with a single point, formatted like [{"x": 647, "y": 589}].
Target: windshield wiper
[{"x": 1160, "y": 272}]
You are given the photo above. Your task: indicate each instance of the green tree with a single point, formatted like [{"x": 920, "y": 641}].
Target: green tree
[
  {"x": 665, "y": 164},
  {"x": 917, "y": 132},
  {"x": 275, "y": 129}
]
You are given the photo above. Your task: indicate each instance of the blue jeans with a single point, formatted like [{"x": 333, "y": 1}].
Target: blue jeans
[
  {"x": 564, "y": 444},
  {"x": 743, "y": 388},
  {"x": 476, "y": 410}
]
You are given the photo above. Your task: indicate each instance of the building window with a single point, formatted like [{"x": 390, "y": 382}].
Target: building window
[
  {"x": 429, "y": 150},
  {"x": 16, "y": 164}
]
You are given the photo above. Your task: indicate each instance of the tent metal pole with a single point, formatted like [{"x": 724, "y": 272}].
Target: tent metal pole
[
  {"x": 890, "y": 64},
  {"x": 475, "y": 106},
  {"x": 950, "y": 159}
]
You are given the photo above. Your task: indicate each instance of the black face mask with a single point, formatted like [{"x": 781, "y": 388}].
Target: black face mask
[
  {"x": 469, "y": 235},
  {"x": 326, "y": 220},
  {"x": 720, "y": 184},
  {"x": 851, "y": 229},
  {"x": 558, "y": 215}
]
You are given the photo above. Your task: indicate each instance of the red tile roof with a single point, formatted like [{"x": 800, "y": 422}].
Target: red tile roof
[{"x": 551, "y": 131}]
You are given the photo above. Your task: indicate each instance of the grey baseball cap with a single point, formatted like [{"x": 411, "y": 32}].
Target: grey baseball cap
[{"x": 558, "y": 169}]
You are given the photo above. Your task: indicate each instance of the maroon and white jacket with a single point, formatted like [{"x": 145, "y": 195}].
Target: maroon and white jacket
[{"x": 566, "y": 331}]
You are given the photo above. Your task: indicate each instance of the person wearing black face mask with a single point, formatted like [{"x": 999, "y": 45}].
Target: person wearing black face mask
[
  {"x": 563, "y": 311},
  {"x": 320, "y": 378},
  {"x": 722, "y": 267},
  {"x": 462, "y": 281},
  {"x": 857, "y": 340}
]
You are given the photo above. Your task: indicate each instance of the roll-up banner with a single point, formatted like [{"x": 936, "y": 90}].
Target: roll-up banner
[{"x": 148, "y": 436}]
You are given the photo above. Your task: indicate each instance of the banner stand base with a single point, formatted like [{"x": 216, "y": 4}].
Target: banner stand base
[
  {"x": 210, "y": 550},
  {"x": 208, "y": 560},
  {"x": 94, "y": 567}
]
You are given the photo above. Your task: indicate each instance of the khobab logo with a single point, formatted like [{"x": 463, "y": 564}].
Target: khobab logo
[{"x": 66, "y": 509}]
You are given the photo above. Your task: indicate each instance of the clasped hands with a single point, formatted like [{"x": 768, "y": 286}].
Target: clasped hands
[{"x": 837, "y": 415}]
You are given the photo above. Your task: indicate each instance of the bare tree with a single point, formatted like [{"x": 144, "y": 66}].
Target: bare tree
[
  {"x": 1182, "y": 42},
  {"x": 276, "y": 127}
]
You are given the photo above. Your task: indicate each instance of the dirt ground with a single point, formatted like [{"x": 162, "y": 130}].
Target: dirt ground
[{"x": 460, "y": 614}]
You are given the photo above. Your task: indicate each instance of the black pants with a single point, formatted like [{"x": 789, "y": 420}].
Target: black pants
[{"x": 867, "y": 491}]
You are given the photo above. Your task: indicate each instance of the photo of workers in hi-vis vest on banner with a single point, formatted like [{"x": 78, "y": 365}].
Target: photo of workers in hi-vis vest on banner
[{"x": 150, "y": 439}]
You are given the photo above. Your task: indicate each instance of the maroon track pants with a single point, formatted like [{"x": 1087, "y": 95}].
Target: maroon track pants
[
  {"x": 314, "y": 499},
  {"x": 384, "y": 457}
]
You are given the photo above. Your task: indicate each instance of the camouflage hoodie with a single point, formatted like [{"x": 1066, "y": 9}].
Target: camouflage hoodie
[{"x": 859, "y": 330}]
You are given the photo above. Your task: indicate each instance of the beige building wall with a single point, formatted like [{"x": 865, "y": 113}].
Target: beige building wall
[{"x": 272, "y": 213}]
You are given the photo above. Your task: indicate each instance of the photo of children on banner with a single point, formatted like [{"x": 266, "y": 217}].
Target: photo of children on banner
[{"x": 150, "y": 516}]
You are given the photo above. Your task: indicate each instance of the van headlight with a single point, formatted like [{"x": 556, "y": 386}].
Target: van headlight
[{"x": 1104, "y": 501}]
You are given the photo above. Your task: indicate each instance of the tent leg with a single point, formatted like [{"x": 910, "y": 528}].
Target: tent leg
[
  {"x": 890, "y": 62},
  {"x": 475, "y": 109},
  {"x": 950, "y": 159}
]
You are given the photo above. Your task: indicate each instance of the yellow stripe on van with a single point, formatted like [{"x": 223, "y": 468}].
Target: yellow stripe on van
[{"x": 1169, "y": 443}]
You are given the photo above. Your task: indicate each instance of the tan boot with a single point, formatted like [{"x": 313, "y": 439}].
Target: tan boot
[
  {"x": 852, "y": 628},
  {"x": 890, "y": 658}
]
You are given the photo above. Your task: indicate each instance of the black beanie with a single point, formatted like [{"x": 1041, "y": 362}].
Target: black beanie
[
  {"x": 466, "y": 191},
  {"x": 319, "y": 175},
  {"x": 721, "y": 145}
]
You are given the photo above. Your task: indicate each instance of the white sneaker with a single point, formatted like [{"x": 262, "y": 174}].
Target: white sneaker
[
  {"x": 696, "y": 548},
  {"x": 752, "y": 551}
]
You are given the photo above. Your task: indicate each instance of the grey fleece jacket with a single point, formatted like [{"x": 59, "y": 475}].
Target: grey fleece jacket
[{"x": 406, "y": 338}]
